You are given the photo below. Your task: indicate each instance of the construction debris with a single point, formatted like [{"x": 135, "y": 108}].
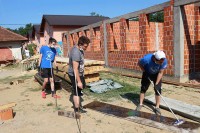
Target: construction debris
[
  {"x": 16, "y": 82},
  {"x": 6, "y": 111},
  {"x": 30, "y": 63},
  {"x": 104, "y": 86},
  {"x": 70, "y": 114}
]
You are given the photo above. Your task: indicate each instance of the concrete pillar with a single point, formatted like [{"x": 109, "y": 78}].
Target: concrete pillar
[
  {"x": 68, "y": 44},
  {"x": 178, "y": 42},
  {"x": 105, "y": 43},
  {"x": 157, "y": 37}
]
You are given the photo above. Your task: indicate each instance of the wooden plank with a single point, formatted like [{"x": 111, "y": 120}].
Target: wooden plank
[
  {"x": 93, "y": 69},
  {"x": 9, "y": 105},
  {"x": 87, "y": 62},
  {"x": 57, "y": 81},
  {"x": 63, "y": 76},
  {"x": 61, "y": 67},
  {"x": 94, "y": 79},
  {"x": 179, "y": 107},
  {"x": 88, "y": 79}
]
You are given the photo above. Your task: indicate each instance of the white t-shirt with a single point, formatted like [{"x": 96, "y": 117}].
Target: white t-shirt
[{"x": 27, "y": 53}]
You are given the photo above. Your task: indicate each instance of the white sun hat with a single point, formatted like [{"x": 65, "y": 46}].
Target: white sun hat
[{"x": 159, "y": 55}]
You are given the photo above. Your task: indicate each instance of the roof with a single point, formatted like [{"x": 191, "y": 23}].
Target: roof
[
  {"x": 29, "y": 34},
  {"x": 7, "y": 36},
  {"x": 70, "y": 20},
  {"x": 36, "y": 28}
]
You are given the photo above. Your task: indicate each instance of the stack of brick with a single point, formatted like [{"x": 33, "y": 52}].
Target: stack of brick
[
  {"x": 6, "y": 111},
  {"x": 91, "y": 72}
]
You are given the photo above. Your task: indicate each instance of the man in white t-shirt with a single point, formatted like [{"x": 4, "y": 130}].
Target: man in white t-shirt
[{"x": 27, "y": 52}]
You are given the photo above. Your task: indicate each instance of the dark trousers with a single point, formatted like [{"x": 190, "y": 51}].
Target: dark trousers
[
  {"x": 145, "y": 83},
  {"x": 75, "y": 84}
]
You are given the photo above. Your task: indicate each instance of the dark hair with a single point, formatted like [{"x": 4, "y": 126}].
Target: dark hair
[
  {"x": 83, "y": 40},
  {"x": 51, "y": 40}
]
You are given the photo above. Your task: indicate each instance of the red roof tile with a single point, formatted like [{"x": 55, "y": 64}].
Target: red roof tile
[{"x": 6, "y": 36}]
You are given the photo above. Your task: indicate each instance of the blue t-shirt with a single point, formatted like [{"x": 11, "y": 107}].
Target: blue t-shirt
[
  {"x": 150, "y": 66},
  {"x": 48, "y": 56}
]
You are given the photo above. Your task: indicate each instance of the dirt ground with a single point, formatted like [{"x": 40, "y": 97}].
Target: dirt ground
[{"x": 37, "y": 115}]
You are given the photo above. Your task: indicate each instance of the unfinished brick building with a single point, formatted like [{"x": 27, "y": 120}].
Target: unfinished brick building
[{"x": 121, "y": 41}]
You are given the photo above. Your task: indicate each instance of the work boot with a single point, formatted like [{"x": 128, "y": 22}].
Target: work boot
[
  {"x": 138, "y": 108},
  {"x": 157, "y": 111}
]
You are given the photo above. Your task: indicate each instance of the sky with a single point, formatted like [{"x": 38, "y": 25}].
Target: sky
[{"x": 30, "y": 11}]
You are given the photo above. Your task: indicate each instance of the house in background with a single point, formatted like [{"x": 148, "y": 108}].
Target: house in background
[
  {"x": 56, "y": 25},
  {"x": 10, "y": 46},
  {"x": 37, "y": 36},
  {"x": 29, "y": 37}
]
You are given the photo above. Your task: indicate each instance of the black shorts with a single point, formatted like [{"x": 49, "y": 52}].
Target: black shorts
[
  {"x": 145, "y": 82},
  {"x": 46, "y": 72},
  {"x": 74, "y": 84}
]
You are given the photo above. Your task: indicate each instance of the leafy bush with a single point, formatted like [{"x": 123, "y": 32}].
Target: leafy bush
[{"x": 31, "y": 48}]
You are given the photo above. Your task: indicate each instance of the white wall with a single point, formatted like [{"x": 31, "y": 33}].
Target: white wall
[{"x": 16, "y": 48}]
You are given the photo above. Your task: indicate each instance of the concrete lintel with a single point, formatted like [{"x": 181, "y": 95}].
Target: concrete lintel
[
  {"x": 151, "y": 9},
  {"x": 185, "y": 2},
  {"x": 98, "y": 24},
  {"x": 178, "y": 42}
]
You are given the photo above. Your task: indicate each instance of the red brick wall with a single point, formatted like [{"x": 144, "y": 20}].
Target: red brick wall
[
  {"x": 168, "y": 46},
  {"x": 127, "y": 40},
  {"x": 197, "y": 41},
  {"x": 153, "y": 36},
  {"x": 96, "y": 49},
  {"x": 5, "y": 54},
  {"x": 191, "y": 40},
  {"x": 132, "y": 36}
]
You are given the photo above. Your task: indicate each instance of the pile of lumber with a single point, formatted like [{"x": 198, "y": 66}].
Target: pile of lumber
[
  {"x": 91, "y": 72},
  {"x": 40, "y": 80},
  {"x": 30, "y": 63}
]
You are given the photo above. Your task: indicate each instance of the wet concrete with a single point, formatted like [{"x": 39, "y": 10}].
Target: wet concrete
[{"x": 126, "y": 113}]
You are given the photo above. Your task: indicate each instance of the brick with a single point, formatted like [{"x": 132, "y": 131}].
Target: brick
[{"x": 6, "y": 114}]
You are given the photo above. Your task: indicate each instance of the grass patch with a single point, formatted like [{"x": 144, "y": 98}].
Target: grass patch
[
  {"x": 49, "y": 104},
  {"x": 58, "y": 108},
  {"x": 129, "y": 91}
]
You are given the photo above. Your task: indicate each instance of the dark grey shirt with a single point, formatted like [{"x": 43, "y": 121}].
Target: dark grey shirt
[{"x": 76, "y": 55}]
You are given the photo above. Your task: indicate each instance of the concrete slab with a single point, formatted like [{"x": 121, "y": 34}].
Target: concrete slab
[
  {"x": 179, "y": 107},
  {"x": 144, "y": 118}
]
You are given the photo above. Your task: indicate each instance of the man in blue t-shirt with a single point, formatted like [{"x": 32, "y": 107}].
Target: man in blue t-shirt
[
  {"x": 46, "y": 60},
  {"x": 153, "y": 66}
]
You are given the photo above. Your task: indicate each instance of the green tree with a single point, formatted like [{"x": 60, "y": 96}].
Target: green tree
[
  {"x": 96, "y": 14},
  {"x": 22, "y": 30},
  {"x": 156, "y": 17},
  {"x": 31, "y": 48}
]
